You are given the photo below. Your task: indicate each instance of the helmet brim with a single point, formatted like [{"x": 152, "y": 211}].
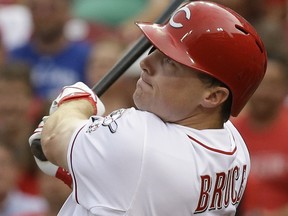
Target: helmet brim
[{"x": 164, "y": 42}]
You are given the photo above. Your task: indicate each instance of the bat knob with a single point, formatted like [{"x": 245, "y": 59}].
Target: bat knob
[{"x": 37, "y": 151}]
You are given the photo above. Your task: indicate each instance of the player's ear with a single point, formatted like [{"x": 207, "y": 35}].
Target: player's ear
[{"x": 215, "y": 96}]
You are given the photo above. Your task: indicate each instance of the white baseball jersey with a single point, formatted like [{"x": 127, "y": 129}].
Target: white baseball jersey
[{"x": 132, "y": 163}]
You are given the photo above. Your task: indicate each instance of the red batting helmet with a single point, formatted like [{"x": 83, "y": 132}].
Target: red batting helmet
[{"x": 214, "y": 40}]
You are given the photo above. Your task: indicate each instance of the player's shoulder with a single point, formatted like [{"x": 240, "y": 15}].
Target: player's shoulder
[
  {"x": 237, "y": 137},
  {"x": 229, "y": 125},
  {"x": 133, "y": 115},
  {"x": 129, "y": 117}
]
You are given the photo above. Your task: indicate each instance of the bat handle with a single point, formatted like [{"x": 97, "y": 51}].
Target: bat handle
[{"x": 37, "y": 151}]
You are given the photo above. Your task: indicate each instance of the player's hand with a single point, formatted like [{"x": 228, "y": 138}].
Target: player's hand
[
  {"x": 44, "y": 165},
  {"x": 78, "y": 91}
]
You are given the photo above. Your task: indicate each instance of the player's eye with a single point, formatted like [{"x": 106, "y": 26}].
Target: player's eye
[
  {"x": 168, "y": 60},
  {"x": 152, "y": 50}
]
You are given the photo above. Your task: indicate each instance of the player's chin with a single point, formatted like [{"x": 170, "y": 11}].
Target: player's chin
[{"x": 139, "y": 99}]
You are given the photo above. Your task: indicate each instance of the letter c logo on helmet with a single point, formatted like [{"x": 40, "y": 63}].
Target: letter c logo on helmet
[{"x": 177, "y": 24}]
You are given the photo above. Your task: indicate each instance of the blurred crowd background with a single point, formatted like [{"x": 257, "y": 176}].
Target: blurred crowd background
[{"x": 46, "y": 44}]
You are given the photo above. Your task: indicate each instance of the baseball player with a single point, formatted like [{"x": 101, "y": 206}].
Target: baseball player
[{"x": 176, "y": 153}]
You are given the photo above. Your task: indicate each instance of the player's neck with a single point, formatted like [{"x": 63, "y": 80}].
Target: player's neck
[{"x": 202, "y": 121}]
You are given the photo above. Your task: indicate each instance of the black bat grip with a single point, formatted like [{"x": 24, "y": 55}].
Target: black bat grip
[{"x": 37, "y": 151}]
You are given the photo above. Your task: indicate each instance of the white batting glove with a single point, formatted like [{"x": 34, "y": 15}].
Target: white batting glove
[
  {"x": 44, "y": 165},
  {"x": 78, "y": 91}
]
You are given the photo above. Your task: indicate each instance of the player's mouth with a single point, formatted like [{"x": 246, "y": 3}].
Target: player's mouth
[{"x": 143, "y": 80}]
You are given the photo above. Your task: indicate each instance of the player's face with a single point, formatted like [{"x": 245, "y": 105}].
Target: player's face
[{"x": 170, "y": 90}]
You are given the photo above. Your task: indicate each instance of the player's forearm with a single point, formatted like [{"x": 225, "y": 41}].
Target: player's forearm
[{"x": 60, "y": 127}]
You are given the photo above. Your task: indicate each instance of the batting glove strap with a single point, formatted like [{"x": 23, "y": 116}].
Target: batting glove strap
[
  {"x": 64, "y": 176},
  {"x": 52, "y": 170},
  {"x": 78, "y": 96},
  {"x": 75, "y": 92}
]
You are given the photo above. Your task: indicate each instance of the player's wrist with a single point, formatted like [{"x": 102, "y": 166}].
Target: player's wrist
[
  {"x": 83, "y": 106},
  {"x": 76, "y": 92},
  {"x": 78, "y": 100}
]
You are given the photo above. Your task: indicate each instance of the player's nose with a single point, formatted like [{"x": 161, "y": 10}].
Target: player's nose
[{"x": 147, "y": 64}]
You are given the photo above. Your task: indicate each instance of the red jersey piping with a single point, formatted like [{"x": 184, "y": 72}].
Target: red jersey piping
[{"x": 213, "y": 149}]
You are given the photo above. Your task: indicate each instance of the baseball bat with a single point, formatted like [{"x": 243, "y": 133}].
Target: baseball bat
[{"x": 118, "y": 69}]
